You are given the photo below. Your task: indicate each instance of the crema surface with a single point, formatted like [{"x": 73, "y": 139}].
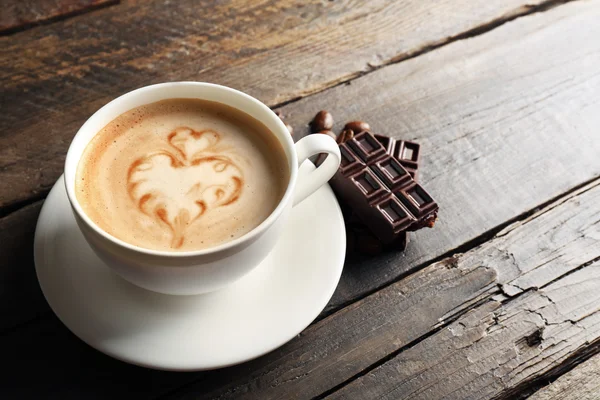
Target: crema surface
[{"x": 181, "y": 175}]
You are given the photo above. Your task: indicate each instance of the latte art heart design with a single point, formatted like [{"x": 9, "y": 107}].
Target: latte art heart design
[{"x": 177, "y": 186}]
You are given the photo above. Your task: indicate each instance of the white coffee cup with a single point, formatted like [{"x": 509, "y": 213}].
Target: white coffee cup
[{"x": 194, "y": 272}]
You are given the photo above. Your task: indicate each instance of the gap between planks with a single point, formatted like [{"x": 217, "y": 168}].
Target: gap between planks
[{"x": 572, "y": 363}]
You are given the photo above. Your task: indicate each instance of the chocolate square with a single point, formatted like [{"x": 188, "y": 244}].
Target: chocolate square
[
  {"x": 349, "y": 163},
  {"x": 368, "y": 183},
  {"x": 395, "y": 212},
  {"x": 392, "y": 173},
  {"x": 367, "y": 147},
  {"x": 416, "y": 199}
]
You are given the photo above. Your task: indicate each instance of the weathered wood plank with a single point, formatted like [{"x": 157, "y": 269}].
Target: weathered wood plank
[
  {"x": 504, "y": 119},
  {"x": 582, "y": 383},
  {"x": 495, "y": 347},
  {"x": 19, "y": 15},
  {"x": 56, "y": 76}
]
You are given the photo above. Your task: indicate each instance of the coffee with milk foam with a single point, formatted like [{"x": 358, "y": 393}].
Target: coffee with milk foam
[{"x": 181, "y": 175}]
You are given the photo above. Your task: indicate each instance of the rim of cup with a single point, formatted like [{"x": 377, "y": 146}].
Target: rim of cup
[{"x": 269, "y": 119}]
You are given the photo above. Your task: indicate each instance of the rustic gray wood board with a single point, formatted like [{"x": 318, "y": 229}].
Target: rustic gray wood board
[
  {"x": 582, "y": 383},
  {"x": 494, "y": 347},
  {"x": 503, "y": 119},
  {"x": 54, "y": 77}
]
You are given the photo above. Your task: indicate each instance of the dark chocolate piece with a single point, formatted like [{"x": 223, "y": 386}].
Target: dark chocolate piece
[{"x": 379, "y": 189}]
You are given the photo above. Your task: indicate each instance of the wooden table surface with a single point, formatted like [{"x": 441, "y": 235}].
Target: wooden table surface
[{"x": 500, "y": 300}]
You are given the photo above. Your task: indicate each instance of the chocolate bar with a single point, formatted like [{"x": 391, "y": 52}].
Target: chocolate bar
[
  {"x": 364, "y": 241},
  {"x": 373, "y": 181}
]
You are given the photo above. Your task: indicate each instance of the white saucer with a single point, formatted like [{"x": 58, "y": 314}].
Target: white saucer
[{"x": 253, "y": 316}]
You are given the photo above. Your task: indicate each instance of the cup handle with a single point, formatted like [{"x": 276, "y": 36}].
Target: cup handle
[{"x": 308, "y": 147}]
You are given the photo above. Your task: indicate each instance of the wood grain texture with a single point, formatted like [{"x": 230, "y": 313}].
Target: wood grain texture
[
  {"x": 503, "y": 119},
  {"x": 56, "y": 76},
  {"x": 582, "y": 383},
  {"x": 494, "y": 347},
  {"x": 21, "y": 14}
]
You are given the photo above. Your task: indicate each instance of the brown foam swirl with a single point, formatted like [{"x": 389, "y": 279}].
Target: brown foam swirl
[{"x": 192, "y": 153}]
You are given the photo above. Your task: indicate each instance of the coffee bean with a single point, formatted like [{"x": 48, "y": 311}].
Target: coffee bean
[
  {"x": 289, "y": 128},
  {"x": 357, "y": 126},
  {"x": 323, "y": 121},
  {"x": 344, "y": 136},
  {"x": 330, "y": 134}
]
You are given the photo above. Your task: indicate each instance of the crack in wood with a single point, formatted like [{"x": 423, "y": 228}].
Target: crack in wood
[
  {"x": 588, "y": 263},
  {"x": 533, "y": 339},
  {"x": 525, "y": 389},
  {"x": 581, "y": 383}
]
